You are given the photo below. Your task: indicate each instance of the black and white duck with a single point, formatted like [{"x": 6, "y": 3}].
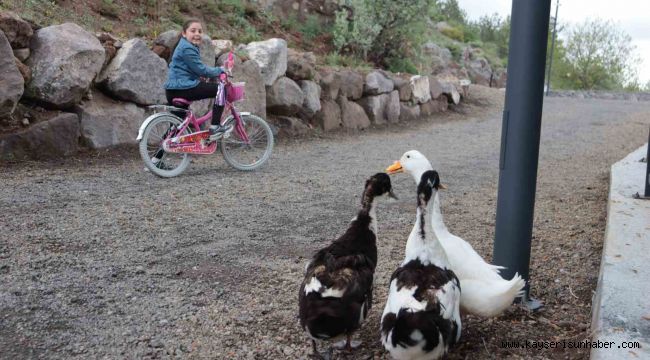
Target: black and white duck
[
  {"x": 485, "y": 292},
  {"x": 336, "y": 294},
  {"x": 421, "y": 319}
]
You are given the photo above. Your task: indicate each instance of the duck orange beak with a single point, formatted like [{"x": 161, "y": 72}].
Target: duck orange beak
[{"x": 395, "y": 168}]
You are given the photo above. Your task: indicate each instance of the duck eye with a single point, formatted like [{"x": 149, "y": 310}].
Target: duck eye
[{"x": 408, "y": 156}]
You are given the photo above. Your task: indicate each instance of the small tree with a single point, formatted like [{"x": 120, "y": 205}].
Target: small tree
[{"x": 601, "y": 56}]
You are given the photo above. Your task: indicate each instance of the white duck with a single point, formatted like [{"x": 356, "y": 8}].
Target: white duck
[
  {"x": 421, "y": 319},
  {"x": 336, "y": 293},
  {"x": 485, "y": 292}
]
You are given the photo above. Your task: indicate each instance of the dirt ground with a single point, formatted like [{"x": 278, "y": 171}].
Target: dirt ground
[{"x": 102, "y": 260}]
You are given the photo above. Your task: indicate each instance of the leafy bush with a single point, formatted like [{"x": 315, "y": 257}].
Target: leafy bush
[
  {"x": 109, "y": 9},
  {"x": 404, "y": 65},
  {"x": 311, "y": 28},
  {"x": 454, "y": 33},
  {"x": 338, "y": 60}
]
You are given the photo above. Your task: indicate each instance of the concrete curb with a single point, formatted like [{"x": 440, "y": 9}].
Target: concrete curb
[{"x": 621, "y": 304}]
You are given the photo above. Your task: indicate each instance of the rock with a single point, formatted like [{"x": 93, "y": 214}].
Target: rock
[
  {"x": 64, "y": 61},
  {"x": 420, "y": 88},
  {"x": 330, "y": 84},
  {"x": 435, "y": 87},
  {"x": 271, "y": 56},
  {"x": 408, "y": 112},
  {"x": 311, "y": 102},
  {"x": 221, "y": 47},
  {"x": 434, "y": 106},
  {"x": 135, "y": 74},
  {"x": 300, "y": 65},
  {"x": 450, "y": 90},
  {"x": 382, "y": 108},
  {"x": 289, "y": 126},
  {"x": 162, "y": 51},
  {"x": 352, "y": 114},
  {"x": 24, "y": 122},
  {"x": 499, "y": 78},
  {"x": 18, "y": 31},
  {"x": 376, "y": 83},
  {"x": 164, "y": 44},
  {"x": 223, "y": 57},
  {"x": 440, "y": 57},
  {"x": 24, "y": 70},
  {"x": 479, "y": 71},
  {"x": 284, "y": 98},
  {"x": 105, "y": 122},
  {"x": 21, "y": 54},
  {"x": 350, "y": 84},
  {"x": 53, "y": 138},
  {"x": 329, "y": 117},
  {"x": 255, "y": 93},
  {"x": 11, "y": 79},
  {"x": 110, "y": 50},
  {"x": 392, "y": 109},
  {"x": 207, "y": 51}
]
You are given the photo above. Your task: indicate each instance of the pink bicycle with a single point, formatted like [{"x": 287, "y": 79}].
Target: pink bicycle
[{"x": 166, "y": 141}]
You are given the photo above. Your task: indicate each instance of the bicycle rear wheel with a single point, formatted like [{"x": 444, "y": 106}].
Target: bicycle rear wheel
[
  {"x": 168, "y": 164},
  {"x": 249, "y": 155}
]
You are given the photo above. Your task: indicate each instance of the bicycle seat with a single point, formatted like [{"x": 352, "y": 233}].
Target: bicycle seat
[{"x": 181, "y": 102}]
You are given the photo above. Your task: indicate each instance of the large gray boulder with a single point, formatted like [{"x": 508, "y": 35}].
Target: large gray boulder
[
  {"x": 408, "y": 112},
  {"x": 382, "y": 109},
  {"x": 330, "y": 83},
  {"x": 64, "y": 61},
  {"x": 311, "y": 102},
  {"x": 479, "y": 71},
  {"x": 17, "y": 30},
  {"x": 300, "y": 65},
  {"x": 351, "y": 84},
  {"x": 392, "y": 109},
  {"x": 11, "y": 80},
  {"x": 420, "y": 89},
  {"x": 440, "y": 57},
  {"x": 450, "y": 89},
  {"x": 271, "y": 56},
  {"x": 352, "y": 114},
  {"x": 106, "y": 122},
  {"x": 376, "y": 83},
  {"x": 53, "y": 138},
  {"x": 136, "y": 74},
  {"x": 435, "y": 87},
  {"x": 329, "y": 117},
  {"x": 289, "y": 126},
  {"x": 284, "y": 98},
  {"x": 255, "y": 93},
  {"x": 221, "y": 47}
]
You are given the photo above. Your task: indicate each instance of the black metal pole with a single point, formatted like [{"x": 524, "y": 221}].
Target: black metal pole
[
  {"x": 550, "y": 59},
  {"x": 647, "y": 170},
  {"x": 522, "y": 119}
]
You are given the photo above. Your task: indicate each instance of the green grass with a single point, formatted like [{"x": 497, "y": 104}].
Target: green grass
[{"x": 337, "y": 60}]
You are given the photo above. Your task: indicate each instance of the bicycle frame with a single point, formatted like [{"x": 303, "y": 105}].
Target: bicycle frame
[
  {"x": 191, "y": 119},
  {"x": 197, "y": 142}
]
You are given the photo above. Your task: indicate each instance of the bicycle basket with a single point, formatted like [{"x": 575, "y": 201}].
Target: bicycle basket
[{"x": 235, "y": 91}]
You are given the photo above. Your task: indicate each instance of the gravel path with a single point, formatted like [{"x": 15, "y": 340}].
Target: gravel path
[{"x": 99, "y": 259}]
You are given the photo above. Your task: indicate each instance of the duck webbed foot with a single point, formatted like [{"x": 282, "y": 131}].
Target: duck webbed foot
[
  {"x": 348, "y": 344},
  {"x": 321, "y": 356}
]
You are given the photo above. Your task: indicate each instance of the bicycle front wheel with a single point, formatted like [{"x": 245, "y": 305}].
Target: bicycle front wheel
[
  {"x": 248, "y": 155},
  {"x": 166, "y": 164}
]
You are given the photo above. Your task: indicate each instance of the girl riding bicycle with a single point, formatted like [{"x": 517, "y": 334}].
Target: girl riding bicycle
[{"x": 186, "y": 72}]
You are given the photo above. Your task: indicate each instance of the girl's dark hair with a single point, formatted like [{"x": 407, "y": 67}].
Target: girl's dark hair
[{"x": 186, "y": 26}]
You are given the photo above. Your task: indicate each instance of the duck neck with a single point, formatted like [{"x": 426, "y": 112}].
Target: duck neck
[
  {"x": 423, "y": 244},
  {"x": 368, "y": 207},
  {"x": 437, "y": 222}
]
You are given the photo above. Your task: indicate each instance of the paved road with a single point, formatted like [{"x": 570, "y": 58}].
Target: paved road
[{"x": 99, "y": 259}]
